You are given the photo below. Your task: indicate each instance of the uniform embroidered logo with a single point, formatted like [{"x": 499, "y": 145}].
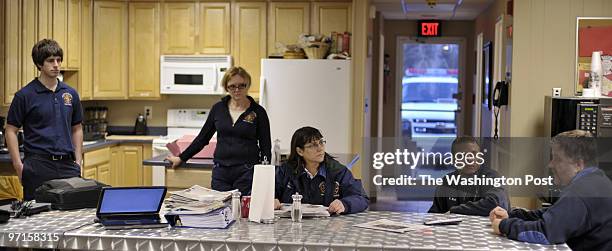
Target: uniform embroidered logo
[
  {"x": 67, "y": 98},
  {"x": 322, "y": 187},
  {"x": 250, "y": 117},
  {"x": 337, "y": 190}
]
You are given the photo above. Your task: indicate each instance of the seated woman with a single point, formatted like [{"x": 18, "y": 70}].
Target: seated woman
[{"x": 317, "y": 176}]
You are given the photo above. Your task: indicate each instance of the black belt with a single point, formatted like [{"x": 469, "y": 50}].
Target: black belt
[{"x": 69, "y": 157}]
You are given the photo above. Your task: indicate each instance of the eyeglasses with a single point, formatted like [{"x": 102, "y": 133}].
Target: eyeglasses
[
  {"x": 314, "y": 145},
  {"x": 237, "y": 87}
]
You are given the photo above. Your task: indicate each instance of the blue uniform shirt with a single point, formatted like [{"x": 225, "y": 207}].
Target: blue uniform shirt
[
  {"x": 47, "y": 117},
  {"x": 332, "y": 181}
]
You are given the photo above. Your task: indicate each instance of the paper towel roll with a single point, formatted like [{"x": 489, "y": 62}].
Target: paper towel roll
[
  {"x": 596, "y": 73},
  {"x": 262, "y": 194}
]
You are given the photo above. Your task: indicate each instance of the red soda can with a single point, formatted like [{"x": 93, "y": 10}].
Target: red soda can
[{"x": 245, "y": 205}]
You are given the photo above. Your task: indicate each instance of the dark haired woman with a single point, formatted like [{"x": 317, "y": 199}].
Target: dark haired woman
[{"x": 317, "y": 176}]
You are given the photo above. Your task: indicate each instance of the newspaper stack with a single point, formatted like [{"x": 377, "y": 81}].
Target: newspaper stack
[
  {"x": 308, "y": 211},
  {"x": 197, "y": 200}
]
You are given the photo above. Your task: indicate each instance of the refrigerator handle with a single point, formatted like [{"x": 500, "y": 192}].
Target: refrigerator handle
[{"x": 262, "y": 91}]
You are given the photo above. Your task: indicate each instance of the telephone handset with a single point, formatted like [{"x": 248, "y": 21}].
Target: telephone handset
[{"x": 500, "y": 94}]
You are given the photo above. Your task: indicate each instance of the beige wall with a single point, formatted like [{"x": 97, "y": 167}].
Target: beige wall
[
  {"x": 397, "y": 28},
  {"x": 544, "y": 56},
  {"x": 123, "y": 113}
]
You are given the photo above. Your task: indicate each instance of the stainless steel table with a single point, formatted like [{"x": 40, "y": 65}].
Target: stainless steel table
[{"x": 335, "y": 233}]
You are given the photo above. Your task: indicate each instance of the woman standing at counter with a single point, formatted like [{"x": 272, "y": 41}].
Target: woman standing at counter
[
  {"x": 243, "y": 135},
  {"x": 317, "y": 176}
]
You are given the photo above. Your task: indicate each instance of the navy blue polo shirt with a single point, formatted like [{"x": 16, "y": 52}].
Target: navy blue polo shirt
[{"x": 47, "y": 117}]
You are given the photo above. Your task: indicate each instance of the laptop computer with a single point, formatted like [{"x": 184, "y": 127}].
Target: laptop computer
[{"x": 131, "y": 207}]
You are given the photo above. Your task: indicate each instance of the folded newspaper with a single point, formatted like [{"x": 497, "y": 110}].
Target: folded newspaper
[
  {"x": 308, "y": 211},
  {"x": 392, "y": 226},
  {"x": 197, "y": 200}
]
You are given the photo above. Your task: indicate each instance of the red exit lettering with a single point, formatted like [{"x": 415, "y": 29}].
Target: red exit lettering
[{"x": 429, "y": 29}]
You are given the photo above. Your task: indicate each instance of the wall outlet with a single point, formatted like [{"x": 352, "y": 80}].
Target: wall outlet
[
  {"x": 556, "y": 92},
  {"x": 148, "y": 112}
]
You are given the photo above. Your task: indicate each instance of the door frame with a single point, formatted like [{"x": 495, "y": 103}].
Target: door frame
[
  {"x": 399, "y": 59},
  {"x": 477, "y": 105}
]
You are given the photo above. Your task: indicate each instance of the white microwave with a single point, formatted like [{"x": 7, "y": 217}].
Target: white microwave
[{"x": 193, "y": 74}]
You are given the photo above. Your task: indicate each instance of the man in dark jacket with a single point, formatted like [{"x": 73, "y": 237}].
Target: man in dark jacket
[
  {"x": 473, "y": 199},
  {"x": 581, "y": 217}
]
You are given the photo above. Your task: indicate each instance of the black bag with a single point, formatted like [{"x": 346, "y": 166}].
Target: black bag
[{"x": 70, "y": 193}]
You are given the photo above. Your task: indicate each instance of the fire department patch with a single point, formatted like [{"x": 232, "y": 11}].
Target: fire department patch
[
  {"x": 67, "y": 97},
  {"x": 337, "y": 190},
  {"x": 322, "y": 187},
  {"x": 250, "y": 117}
]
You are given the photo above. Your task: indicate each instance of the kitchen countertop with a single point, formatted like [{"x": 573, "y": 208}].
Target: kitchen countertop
[
  {"x": 112, "y": 140},
  {"x": 208, "y": 163},
  {"x": 192, "y": 163},
  {"x": 76, "y": 230}
]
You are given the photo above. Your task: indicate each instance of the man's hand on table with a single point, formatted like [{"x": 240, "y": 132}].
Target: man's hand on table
[{"x": 496, "y": 216}]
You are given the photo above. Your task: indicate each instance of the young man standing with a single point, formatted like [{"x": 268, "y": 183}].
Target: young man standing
[{"x": 50, "y": 113}]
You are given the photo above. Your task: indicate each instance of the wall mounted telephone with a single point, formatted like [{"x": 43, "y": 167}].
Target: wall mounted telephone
[{"x": 500, "y": 94}]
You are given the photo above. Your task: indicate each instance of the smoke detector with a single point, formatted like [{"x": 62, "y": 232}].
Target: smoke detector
[{"x": 431, "y": 3}]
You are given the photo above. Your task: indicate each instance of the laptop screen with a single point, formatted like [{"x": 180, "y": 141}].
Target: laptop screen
[{"x": 131, "y": 200}]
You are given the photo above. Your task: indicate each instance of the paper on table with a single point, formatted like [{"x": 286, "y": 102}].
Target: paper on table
[
  {"x": 262, "y": 194},
  {"x": 392, "y": 226},
  {"x": 308, "y": 211}
]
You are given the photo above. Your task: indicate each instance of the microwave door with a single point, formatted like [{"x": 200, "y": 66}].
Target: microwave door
[{"x": 194, "y": 80}]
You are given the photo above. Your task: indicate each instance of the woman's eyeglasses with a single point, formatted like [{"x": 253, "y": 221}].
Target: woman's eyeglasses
[
  {"x": 237, "y": 87},
  {"x": 314, "y": 145}
]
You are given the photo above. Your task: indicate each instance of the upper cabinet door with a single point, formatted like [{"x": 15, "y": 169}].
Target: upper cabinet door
[
  {"x": 73, "y": 36},
  {"x": 12, "y": 49},
  {"x": 329, "y": 17},
  {"x": 249, "y": 39},
  {"x": 286, "y": 21},
  {"x": 179, "y": 28},
  {"x": 29, "y": 37},
  {"x": 86, "y": 69},
  {"x": 144, "y": 50},
  {"x": 214, "y": 28},
  {"x": 60, "y": 24},
  {"x": 110, "y": 50}
]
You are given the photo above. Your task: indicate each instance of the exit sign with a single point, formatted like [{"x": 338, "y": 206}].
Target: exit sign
[{"x": 429, "y": 28}]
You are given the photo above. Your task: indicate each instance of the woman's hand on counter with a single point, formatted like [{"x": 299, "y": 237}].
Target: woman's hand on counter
[
  {"x": 277, "y": 204},
  {"x": 176, "y": 161}
]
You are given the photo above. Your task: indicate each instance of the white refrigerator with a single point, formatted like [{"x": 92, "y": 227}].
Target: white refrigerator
[{"x": 305, "y": 92}]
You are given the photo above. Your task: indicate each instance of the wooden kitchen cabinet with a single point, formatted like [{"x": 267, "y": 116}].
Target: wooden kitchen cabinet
[
  {"x": 29, "y": 37},
  {"x": 143, "y": 51},
  {"x": 131, "y": 173},
  {"x": 45, "y": 19},
  {"x": 96, "y": 165},
  {"x": 214, "y": 28},
  {"x": 12, "y": 50},
  {"x": 86, "y": 70},
  {"x": 195, "y": 27},
  {"x": 67, "y": 31},
  {"x": 60, "y": 24},
  {"x": 249, "y": 39},
  {"x": 110, "y": 50},
  {"x": 179, "y": 28},
  {"x": 2, "y": 44},
  {"x": 286, "y": 21},
  {"x": 328, "y": 17}
]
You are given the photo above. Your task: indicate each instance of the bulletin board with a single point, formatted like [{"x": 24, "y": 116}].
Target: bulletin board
[{"x": 593, "y": 34}]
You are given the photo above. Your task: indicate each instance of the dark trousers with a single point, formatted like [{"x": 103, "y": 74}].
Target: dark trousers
[
  {"x": 37, "y": 170},
  {"x": 225, "y": 178}
]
